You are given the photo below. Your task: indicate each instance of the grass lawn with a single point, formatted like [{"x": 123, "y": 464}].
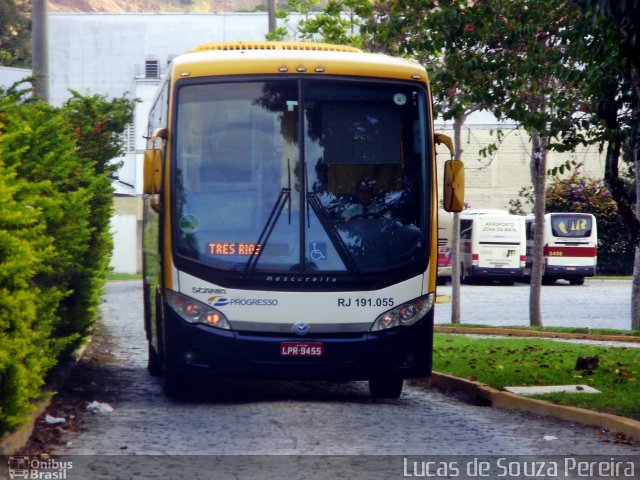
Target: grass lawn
[
  {"x": 123, "y": 276},
  {"x": 577, "y": 330},
  {"x": 527, "y": 362}
]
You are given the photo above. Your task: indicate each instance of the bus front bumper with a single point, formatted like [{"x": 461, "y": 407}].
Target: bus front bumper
[
  {"x": 563, "y": 271},
  {"x": 490, "y": 272},
  {"x": 194, "y": 350}
]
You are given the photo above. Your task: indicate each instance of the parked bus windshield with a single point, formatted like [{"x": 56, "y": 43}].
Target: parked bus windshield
[{"x": 353, "y": 201}]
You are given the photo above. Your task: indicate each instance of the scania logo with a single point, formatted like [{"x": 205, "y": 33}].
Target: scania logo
[{"x": 301, "y": 329}]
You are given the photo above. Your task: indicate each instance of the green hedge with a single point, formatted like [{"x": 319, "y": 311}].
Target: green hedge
[{"x": 55, "y": 244}]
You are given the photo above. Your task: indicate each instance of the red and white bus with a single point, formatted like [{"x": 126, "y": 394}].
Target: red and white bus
[{"x": 570, "y": 246}]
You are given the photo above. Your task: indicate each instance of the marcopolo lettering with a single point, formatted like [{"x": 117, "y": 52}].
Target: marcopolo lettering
[{"x": 301, "y": 279}]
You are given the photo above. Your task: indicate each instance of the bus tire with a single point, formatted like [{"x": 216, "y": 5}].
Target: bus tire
[
  {"x": 463, "y": 274},
  {"x": 576, "y": 281},
  {"x": 175, "y": 386},
  {"x": 386, "y": 387},
  {"x": 154, "y": 365}
]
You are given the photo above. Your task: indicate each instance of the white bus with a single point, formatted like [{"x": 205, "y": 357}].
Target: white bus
[
  {"x": 492, "y": 245},
  {"x": 445, "y": 234},
  {"x": 570, "y": 246}
]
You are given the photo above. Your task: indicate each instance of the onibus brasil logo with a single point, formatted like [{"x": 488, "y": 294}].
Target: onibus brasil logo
[{"x": 42, "y": 468}]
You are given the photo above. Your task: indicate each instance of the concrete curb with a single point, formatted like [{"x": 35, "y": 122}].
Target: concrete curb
[
  {"x": 12, "y": 442},
  {"x": 515, "y": 332},
  {"x": 482, "y": 394}
]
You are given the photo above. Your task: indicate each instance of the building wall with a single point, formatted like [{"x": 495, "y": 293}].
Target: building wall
[
  {"x": 11, "y": 75},
  {"x": 126, "y": 226},
  {"x": 491, "y": 182}
]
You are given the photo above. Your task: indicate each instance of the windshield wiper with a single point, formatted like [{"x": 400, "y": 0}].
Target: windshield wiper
[
  {"x": 332, "y": 233},
  {"x": 283, "y": 199}
]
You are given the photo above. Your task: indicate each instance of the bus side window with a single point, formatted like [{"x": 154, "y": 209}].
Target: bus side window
[
  {"x": 529, "y": 229},
  {"x": 465, "y": 229}
]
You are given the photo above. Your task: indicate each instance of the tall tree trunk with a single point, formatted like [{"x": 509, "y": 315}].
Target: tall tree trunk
[
  {"x": 635, "y": 290},
  {"x": 455, "y": 234},
  {"x": 635, "y": 293},
  {"x": 538, "y": 177},
  {"x": 40, "y": 48}
]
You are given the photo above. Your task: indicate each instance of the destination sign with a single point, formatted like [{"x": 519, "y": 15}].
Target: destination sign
[{"x": 233, "y": 248}]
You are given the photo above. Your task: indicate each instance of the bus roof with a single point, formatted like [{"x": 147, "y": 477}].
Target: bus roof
[
  {"x": 484, "y": 211},
  {"x": 244, "y": 58}
]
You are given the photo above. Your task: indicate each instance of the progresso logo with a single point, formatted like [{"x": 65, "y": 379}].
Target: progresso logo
[{"x": 220, "y": 301}]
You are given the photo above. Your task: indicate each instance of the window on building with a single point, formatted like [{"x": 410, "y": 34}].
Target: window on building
[
  {"x": 152, "y": 68},
  {"x": 130, "y": 138}
]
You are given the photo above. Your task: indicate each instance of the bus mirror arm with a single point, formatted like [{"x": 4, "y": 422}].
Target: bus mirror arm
[
  {"x": 442, "y": 139},
  {"x": 158, "y": 133}
]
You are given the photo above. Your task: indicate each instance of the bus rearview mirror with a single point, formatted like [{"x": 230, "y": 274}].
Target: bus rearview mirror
[
  {"x": 453, "y": 186},
  {"x": 152, "y": 171}
]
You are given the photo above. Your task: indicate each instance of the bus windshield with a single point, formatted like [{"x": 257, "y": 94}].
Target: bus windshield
[
  {"x": 300, "y": 176},
  {"x": 571, "y": 226}
]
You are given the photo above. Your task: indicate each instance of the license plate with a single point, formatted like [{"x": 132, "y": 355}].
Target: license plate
[{"x": 301, "y": 349}]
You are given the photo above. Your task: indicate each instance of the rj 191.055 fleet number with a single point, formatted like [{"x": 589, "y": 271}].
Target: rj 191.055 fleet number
[{"x": 365, "y": 302}]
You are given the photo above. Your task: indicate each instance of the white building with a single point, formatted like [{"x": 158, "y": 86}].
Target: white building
[{"x": 127, "y": 54}]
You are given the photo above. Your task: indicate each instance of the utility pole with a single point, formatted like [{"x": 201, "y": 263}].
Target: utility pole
[
  {"x": 40, "y": 48},
  {"x": 271, "y": 7}
]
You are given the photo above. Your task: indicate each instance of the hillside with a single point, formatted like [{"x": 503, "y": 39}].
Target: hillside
[{"x": 153, "y": 6}]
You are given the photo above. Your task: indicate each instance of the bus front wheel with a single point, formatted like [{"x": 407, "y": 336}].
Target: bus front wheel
[
  {"x": 154, "y": 365},
  {"x": 175, "y": 386},
  {"x": 386, "y": 387}
]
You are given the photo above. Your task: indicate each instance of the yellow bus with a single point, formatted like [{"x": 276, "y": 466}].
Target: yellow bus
[{"x": 290, "y": 218}]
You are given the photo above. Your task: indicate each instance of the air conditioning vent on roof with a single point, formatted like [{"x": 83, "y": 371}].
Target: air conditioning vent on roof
[{"x": 307, "y": 46}]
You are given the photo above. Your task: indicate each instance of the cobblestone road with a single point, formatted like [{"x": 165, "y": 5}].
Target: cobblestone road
[{"x": 279, "y": 418}]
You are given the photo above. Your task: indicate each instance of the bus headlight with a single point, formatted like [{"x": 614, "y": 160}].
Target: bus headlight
[
  {"x": 194, "y": 311},
  {"x": 405, "y": 314}
]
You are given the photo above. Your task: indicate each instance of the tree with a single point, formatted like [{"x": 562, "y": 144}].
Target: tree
[
  {"x": 15, "y": 33},
  {"x": 504, "y": 56},
  {"x": 441, "y": 36},
  {"x": 529, "y": 84},
  {"x": 607, "y": 43},
  {"x": 338, "y": 22}
]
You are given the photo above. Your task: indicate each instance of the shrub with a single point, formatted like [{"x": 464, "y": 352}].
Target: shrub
[
  {"x": 55, "y": 243},
  {"x": 27, "y": 349}
]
